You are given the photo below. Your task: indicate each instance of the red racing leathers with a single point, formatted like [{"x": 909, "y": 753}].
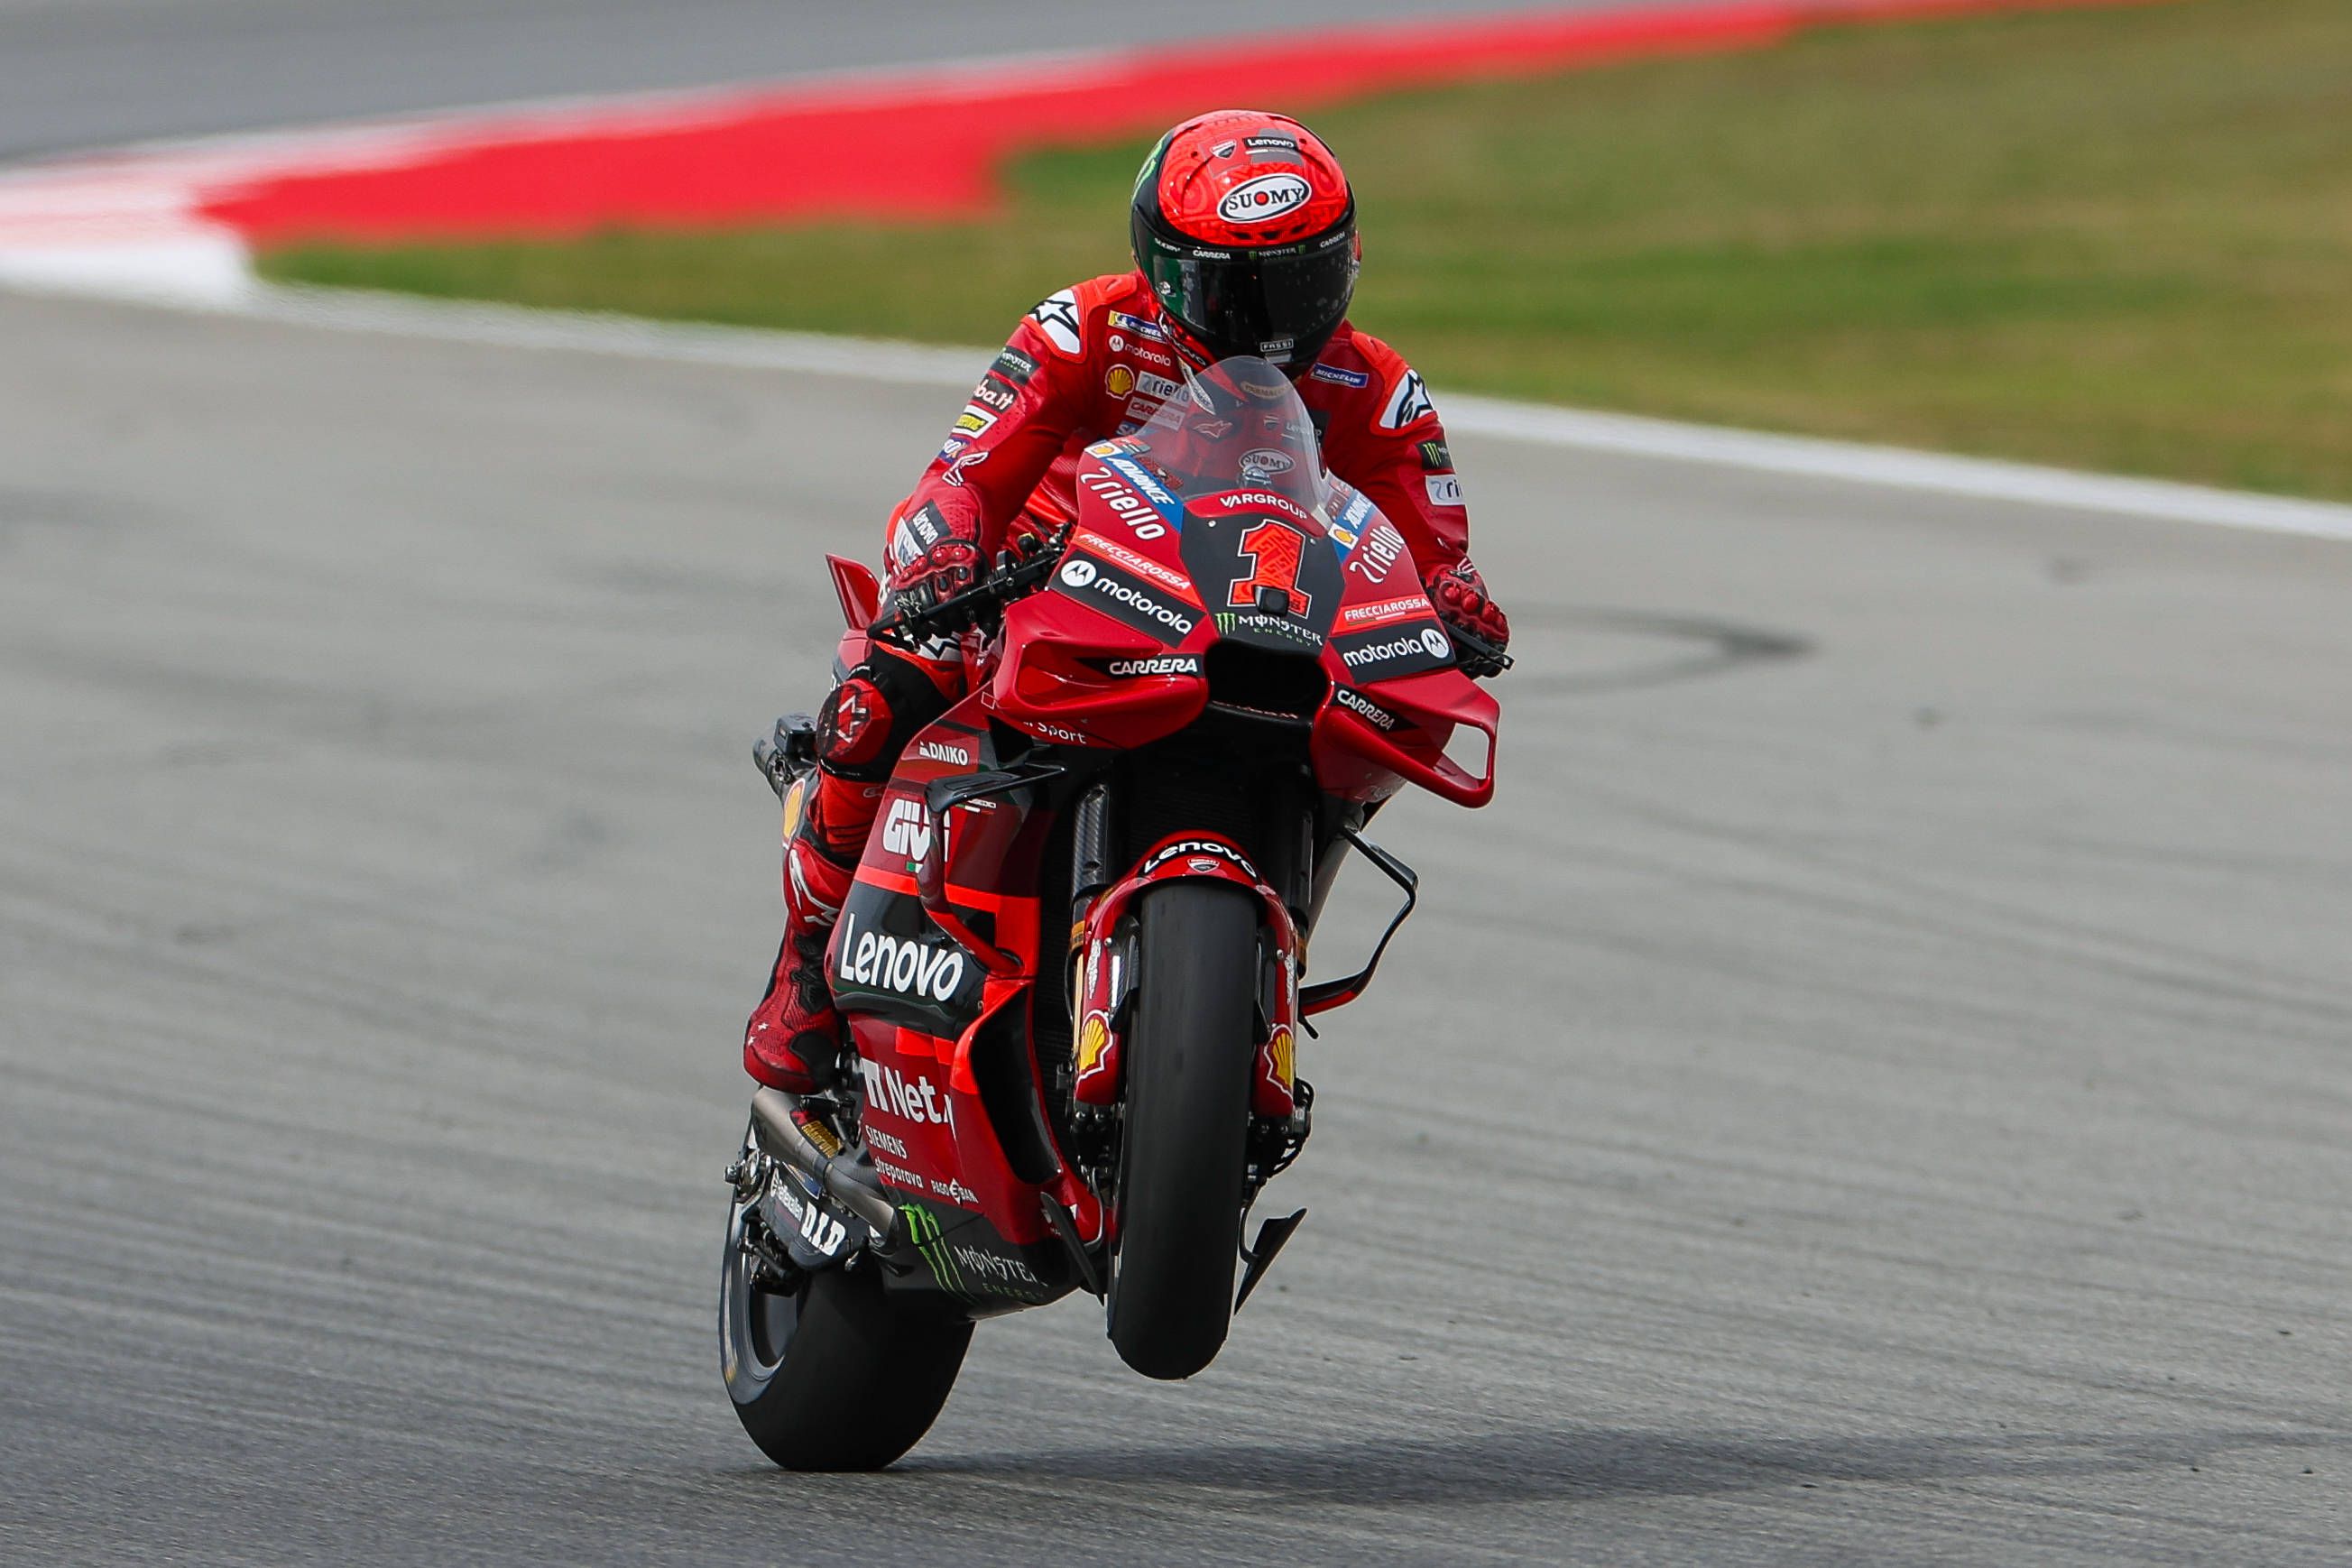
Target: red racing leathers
[
  {"x": 1088, "y": 363},
  {"x": 1094, "y": 361}
]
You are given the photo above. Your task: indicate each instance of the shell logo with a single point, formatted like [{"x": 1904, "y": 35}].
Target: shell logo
[
  {"x": 795, "y": 800},
  {"x": 1265, "y": 196},
  {"x": 1281, "y": 1049},
  {"x": 1120, "y": 381},
  {"x": 1093, "y": 1038}
]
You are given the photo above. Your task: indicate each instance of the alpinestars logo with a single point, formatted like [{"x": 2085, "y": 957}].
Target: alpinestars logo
[
  {"x": 1408, "y": 402},
  {"x": 1056, "y": 316},
  {"x": 902, "y": 964},
  {"x": 910, "y": 1096},
  {"x": 907, "y": 830}
]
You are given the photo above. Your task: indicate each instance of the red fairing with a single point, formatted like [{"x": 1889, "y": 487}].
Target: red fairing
[
  {"x": 1102, "y": 977},
  {"x": 1093, "y": 362}
]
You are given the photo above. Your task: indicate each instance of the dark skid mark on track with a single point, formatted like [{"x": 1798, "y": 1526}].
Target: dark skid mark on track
[
  {"x": 1525, "y": 1465},
  {"x": 1722, "y": 646}
]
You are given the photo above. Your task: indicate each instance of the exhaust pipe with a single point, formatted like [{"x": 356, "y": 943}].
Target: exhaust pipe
[{"x": 835, "y": 1176}]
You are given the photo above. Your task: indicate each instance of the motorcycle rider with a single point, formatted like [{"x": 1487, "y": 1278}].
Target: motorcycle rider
[{"x": 1243, "y": 228}]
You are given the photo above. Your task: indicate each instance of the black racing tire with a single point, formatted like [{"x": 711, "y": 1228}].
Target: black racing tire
[
  {"x": 1189, "y": 1054},
  {"x": 836, "y": 1375}
]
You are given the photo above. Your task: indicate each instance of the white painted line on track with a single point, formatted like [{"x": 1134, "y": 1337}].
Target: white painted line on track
[{"x": 866, "y": 359}]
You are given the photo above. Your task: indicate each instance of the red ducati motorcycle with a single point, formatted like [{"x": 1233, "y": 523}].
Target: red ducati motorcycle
[{"x": 1072, "y": 961}]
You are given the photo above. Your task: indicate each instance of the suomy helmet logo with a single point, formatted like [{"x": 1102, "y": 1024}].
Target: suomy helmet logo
[{"x": 1265, "y": 196}]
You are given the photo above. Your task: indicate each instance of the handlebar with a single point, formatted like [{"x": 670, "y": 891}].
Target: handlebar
[{"x": 1015, "y": 577}]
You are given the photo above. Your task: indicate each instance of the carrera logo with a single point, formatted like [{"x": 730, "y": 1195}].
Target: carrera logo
[
  {"x": 1381, "y": 656},
  {"x": 940, "y": 752},
  {"x": 908, "y": 967},
  {"x": 1408, "y": 608},
  {"x": 907, "y": 830},
  {"x": 1265, "y": 196},
  {"x": 1165, "y": 664},
  {"x": 909, "y": 1096},
  {"x": 1364, "y": 708}
]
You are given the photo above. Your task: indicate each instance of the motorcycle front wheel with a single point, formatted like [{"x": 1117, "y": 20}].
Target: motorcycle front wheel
[
  {"x": 834, "y": 1374},
  {"x": 1188, "y": 1056}
]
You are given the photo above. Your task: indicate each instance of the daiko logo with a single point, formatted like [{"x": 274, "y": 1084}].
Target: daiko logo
[{"x": 1263, "y": 197}]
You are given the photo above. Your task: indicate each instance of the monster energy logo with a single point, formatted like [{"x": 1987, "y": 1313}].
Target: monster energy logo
[{"x": 924, "y": 1232}]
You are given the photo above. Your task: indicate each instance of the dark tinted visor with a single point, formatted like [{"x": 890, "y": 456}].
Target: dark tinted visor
[{"x": 1254, "y": 301}]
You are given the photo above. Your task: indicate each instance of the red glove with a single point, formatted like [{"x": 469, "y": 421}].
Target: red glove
[
  {"x": 1481, "y": 631},
  {"x": 929, "y": 562}
]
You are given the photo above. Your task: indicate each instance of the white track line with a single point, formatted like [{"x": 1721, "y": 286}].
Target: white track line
[{"x": 866, "y": 359}]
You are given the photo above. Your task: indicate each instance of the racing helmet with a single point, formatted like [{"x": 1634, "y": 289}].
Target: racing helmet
[{"x": 1245, "y": 228}]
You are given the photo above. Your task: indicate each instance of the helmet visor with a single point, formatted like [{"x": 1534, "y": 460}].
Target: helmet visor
[{"x": 1275, "y": 303}]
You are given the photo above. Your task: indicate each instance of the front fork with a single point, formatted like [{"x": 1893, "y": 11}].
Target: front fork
[{"x": 1103, "y": 967}]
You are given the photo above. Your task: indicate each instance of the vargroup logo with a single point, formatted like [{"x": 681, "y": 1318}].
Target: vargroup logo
[
  {"x": 1265, "y": 196},
  {"x": 900, "y": 964}
]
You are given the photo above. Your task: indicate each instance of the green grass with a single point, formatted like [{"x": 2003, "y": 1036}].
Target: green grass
[{"x": 2116, "y": 239}]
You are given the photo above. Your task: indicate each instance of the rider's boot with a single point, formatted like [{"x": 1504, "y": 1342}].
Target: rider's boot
[{"x": 794, "y": 1040}]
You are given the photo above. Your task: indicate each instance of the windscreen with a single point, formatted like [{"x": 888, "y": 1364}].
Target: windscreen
[{"x": 1239, "y": 424}]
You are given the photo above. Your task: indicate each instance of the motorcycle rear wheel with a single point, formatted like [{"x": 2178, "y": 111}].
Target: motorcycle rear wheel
[
  {"x": 836, "y": 1375},
  {"x": 1188, "y": 1056}
]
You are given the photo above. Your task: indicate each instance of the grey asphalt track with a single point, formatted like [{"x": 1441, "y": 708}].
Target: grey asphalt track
[
  {"x": 93, "y": 73},
  {"x": 1874, "y": 1088}
]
